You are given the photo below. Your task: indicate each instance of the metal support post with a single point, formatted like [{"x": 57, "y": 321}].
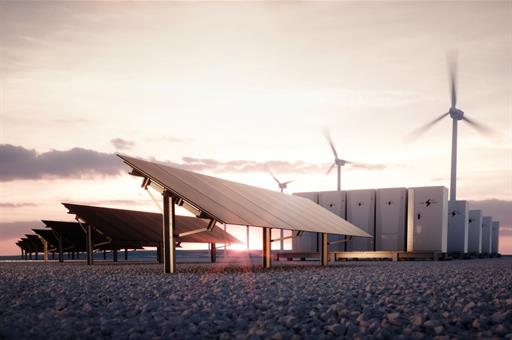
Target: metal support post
[
  {"x": 281, "y": 234},
  {"x": 225, "y": 244},
  {"x": 247, "y": 238},
  {"x": 159, "y": 253},
  {"x": 267, "y": 248},
  {"x": 324, "y": 250},
  {"x": 104, "y": 254},
  {"x": 37, "y": 255},
  {"x": 45, "y": 250},
  {"x": 61, "y": 252},
  {"x": 114, "y": 255},
  {"x": 169, "y": 250},
  {"x": 213, "y": 252},
  {"x": 88, "y": 244},
  {"x": 126, "y": 254}
]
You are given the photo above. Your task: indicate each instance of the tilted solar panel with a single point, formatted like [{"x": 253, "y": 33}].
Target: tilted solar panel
[{"x": 241, "y": 204}]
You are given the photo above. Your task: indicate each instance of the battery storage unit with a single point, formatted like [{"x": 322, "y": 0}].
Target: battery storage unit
[
  {"x": 427, "y": 219},
  {"x": 458, "y": 226},
  {"x": 391, "y": 219},
  {"x": 310, "y": 241},
  {"x": 486, "y": 234},
  {"x": 361, "y": 213},
  {"x": 495, "y": 237},
  {"x": 474, "y": 232},
  {"x": 335, "y": 202}
]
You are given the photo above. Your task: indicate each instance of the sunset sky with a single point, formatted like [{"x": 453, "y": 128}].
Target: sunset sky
[{"x": 228, "y": 88}]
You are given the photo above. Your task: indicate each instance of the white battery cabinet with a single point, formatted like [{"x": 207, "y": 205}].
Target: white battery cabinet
[
  {"x": 361, "y": 213},
  {"x": 335, "y": 202},
  {"x": 310, "y": 241},
  {"x": 495, "y": 237},
  {"x": 486, "y": 234},
  {"x": 391, "y": 219},
  {"x": 427, "y": 219},
  {"x": 458, "y": 226},
  {"x": 474, "y": 232}
]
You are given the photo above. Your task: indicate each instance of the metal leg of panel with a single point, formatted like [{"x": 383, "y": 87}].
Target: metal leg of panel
[
  {"x": 267, "y": 253},
  {"x": 61, "y": 252},
  {"x": 282, "y": 239},
  {"x": 104, "y": 254},
  {"x": 114, "y": 255},
  {"x": 159, "y": 253},
  {"x": 247, "y": 237},
  {"x": 30, "y": 256},
  {"x": 78, "y": 255},
  {"x": 89, "y": 248},
  {"x": 37, "y": 255},
  {"x": 169, "y": 250},
  {"x": 125, "y": 254},
  {"x": 324, "y": 251},
  {"x": 45, "y": 251},
  {"x": 213, "y": 252}
]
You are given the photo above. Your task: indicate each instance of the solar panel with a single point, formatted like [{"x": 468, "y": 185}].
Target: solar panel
[
  {"x": 240, "y": 204},
  {"x": 49, "y": 237},
  {"x": 73, "y": 236},
  {"x": 145, "y": 228}
]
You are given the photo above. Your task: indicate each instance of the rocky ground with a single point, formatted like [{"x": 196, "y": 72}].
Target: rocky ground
[{"x": 463, "y": 299}]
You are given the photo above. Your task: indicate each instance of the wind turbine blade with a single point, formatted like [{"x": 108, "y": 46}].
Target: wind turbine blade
[
  {"x": 422, "y": 129},
  {"x": 329, "y": 140},
  {"x": 272, "y": 174},
  {"x": 452, "y": 69},
  {"x": 488, "y": 132},
  {"x": 330, "y": 169},
  {"x": 289, "y": 182}
]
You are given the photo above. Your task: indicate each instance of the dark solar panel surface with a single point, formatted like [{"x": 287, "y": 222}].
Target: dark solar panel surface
[{"x": 235, "y": 203}]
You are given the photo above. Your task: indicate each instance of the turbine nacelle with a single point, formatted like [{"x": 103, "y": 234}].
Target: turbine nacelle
[
  {"x": 456, "y": 113},
  {"x": 340, "y": 162}
]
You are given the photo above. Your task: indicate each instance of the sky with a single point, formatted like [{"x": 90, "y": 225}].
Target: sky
[{"x": 231, "y": 88}]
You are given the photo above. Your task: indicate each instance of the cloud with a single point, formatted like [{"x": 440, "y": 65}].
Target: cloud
[
  {"x": 242, "y": 166},
  {"x": 17, "y": 205},
  {"x": 20, "y": 163},
  {"x": 122, "y": 144}
]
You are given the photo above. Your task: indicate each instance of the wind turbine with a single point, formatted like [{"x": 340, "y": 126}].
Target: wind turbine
[
  {"x": 455, "y": 114},
  {"x": 339, "y": 162},
  {"x": 282, "y": 186}
]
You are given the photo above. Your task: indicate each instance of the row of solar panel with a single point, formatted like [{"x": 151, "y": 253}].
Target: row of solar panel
[{"x": 117, "y": 229}]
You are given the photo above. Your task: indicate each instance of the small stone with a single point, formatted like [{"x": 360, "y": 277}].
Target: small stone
[
  {"x": 336, "y": 329},
  {"x": 476, "y": 323},
  {"x": 469, "y": 306},
  {"x": 417, "y": 320}
]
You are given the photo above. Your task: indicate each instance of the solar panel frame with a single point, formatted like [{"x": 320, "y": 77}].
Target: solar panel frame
[{"x": 241, "y": 204}]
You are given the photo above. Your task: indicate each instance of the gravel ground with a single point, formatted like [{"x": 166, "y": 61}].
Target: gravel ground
[{"x": 463, "y": 299}]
